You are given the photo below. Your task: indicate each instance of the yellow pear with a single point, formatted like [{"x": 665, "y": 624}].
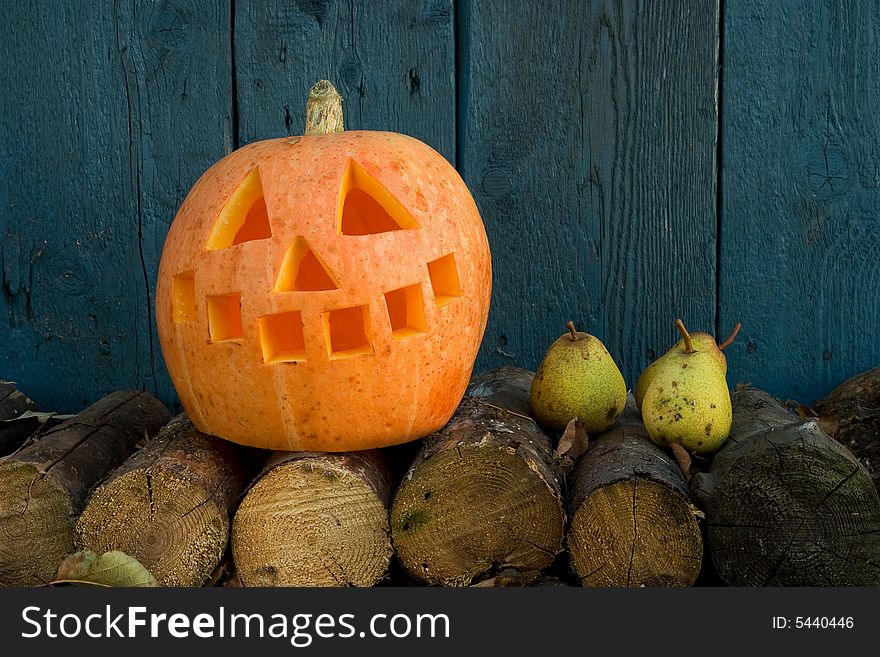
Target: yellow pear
[
  {"x": 700, "y": 342},
  {"x": 687, "y": 401},
  {"x": 578, "y": 378}
]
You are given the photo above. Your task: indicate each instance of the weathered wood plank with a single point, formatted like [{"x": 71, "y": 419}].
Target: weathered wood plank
[
  {"x": 800, "y": 250},
  {"x": 393, "y": 62},
  {"x": 589, "y": 140},
  {"x": 117, "y": 108}
]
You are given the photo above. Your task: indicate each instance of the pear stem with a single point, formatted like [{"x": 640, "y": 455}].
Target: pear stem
[
  {"x": 574, "y": 334},
  {"x": 730, "y": 338},
  {"x": 688, "y": 347},
  {"x": 323, "y": 109}
]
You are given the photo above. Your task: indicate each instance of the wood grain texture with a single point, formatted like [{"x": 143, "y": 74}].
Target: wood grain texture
[
  {"x": 632, "y": 523},
  {"x": 800, "y": 246},
  {"x": 851, "y": 415},
  {"x": 169, "y": 505},
  {"x": 313, "y": 519},
  {"x": 117, "y": 108},
  {"x": 393, "y": 62},
  {"x": 785, "y": 504},
  {"x": 483, "y": 496},
  {"x": 589, "y": 141},
  {"x": 44, "y": 485}
]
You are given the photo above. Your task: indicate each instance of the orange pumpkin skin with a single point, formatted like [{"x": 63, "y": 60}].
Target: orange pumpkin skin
[{"x": 296, "y": 372}]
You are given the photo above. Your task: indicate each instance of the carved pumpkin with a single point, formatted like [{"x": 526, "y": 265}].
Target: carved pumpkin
[{"x": 326, "y": 292}]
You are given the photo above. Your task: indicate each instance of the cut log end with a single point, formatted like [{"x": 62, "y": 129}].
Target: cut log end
[
  {"x": 36, "y": 525},
  {"x": 483, "y": 496},
  {"x": 815, "y": 529},
  {"x": 635, "y": 533},
  {"x": 789, "y": 506},
  {"x": 312, "y": 521},
  {"x": 169, "y": 505},
  {"x": 632, "y": 522},
  {"x": 162, "y": 520},
  {"x": 43, "y": 486},
  {"x": 453, "y": 522}
]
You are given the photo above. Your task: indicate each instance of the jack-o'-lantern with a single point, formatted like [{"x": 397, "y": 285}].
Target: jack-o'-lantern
[{"x": 327, "y": 292}]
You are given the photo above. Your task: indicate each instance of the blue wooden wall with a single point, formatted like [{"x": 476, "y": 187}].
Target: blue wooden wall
[{"x": 634, "y": 161}]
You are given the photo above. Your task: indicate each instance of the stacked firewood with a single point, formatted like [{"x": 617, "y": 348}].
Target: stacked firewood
[{"x": 492, "y": 499}]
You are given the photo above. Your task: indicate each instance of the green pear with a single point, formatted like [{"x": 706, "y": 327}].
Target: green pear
[
  {"x": 687, "y": 401},
  {"x": 578, "y": 378},
  {"x": 700, "y": 342}
]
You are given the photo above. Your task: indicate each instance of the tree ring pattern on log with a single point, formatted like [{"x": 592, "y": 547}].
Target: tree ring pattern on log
[
  {"x": 473, "y": 511},
  {"x": 635, "y": 532},
  {"x": 36, "y": 518},
  {"x": 794, "y": 518},
  {"x": 311, "y": 522},
  {"x": 786, "y": 505},
  {"x": 163, "y": 521}
]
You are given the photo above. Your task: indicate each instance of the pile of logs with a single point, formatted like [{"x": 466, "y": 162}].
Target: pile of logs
[{"x": 492, "y": 499}]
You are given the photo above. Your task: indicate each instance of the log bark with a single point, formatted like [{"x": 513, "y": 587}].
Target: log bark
[
  {"x": 44, "y": 485},
  {"x": 28, "y": 427},
  {"x": 482, "y": 495},
  {"x": 632, "y": 522},
  {"x": 315, "y": 519},
  {"x": 786, "y": 505},
  {"x": 851, "y": 415},
  {"x": 12, "y": 402},
  {"x": 14, "y": 429},
  {"x": 169, "y": 506},
  {"x": 506, "y": 387}
]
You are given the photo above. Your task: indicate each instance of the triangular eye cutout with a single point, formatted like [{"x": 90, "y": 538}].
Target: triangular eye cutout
[
  {"x": 366, "y": 207},
  {"x": 303, "y": 271},
  {"x": 244, "y": 216}
]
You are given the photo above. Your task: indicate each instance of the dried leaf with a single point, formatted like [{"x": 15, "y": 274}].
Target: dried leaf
[
  {"x": 683, "y": 458},
  {"x": 829, "y": 424},
  {"x": 507, "y": 577},
  {"x": 492, "y": 582},
  {"x": 574, "y": 441},
  {"x": 805, "y": 412},
  {"x": 113, "y": 568},
  {"x": 40, "y": 417},
  {"x": 234, "y": 581}
]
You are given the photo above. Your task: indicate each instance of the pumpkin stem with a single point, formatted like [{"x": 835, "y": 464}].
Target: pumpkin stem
[{"x": 324, "y": 109}]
